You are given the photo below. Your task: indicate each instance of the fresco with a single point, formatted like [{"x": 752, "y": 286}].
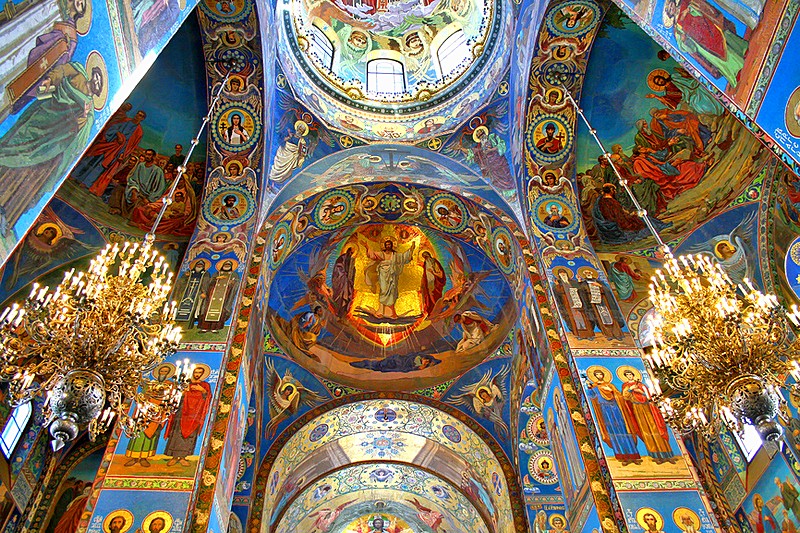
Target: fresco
[
  {"x": 290, "y": 391},
  {"x": 423, "y": 500},
  {"x": 636, "y": 440},
  {"x": 120, "y": 511},
  {"x": 773, "y": 504},
  {"x": 674, "y": 511},
  {"x": 395, "y": 306},
  {"x": 391, "y": 430},
  {"x": 57, "y": 100},
  {"x": 70, "y": 499},
  {"x": 685, "y": 156}
]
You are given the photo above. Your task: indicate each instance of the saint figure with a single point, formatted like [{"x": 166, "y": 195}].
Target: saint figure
[
  {"x": 387, "y": 268},
  {"x": 615, "y": 422},
  {"x": 343, "y": 282},
  {"x": 184, "y": 427},
  {"x": 433, "y": 282},
  {"x": 219, "y": 297}
]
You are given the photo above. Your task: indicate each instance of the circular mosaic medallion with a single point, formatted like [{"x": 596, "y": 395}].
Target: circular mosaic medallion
[
  {"x": 385, "y": 414},
  {"x": 318, "y": 432},
  {"x": 552, "y": 214},
  {"x": 333, "y": 209},
  {"x": 448, "y": 213},
  {"x": 573, "y": 19},
  {"x": 280, "y": 244},
  {"x": 502, "y": 250},
  {"x": 452, "y": 434},
  {"x": 541, "y": 466},
  {"x": 536, "y": 431},
  {"x": 549, "y": 138},
  {"x": 228, "y": 206},
  {"x": 792, "y": 266},
  {"x": 227, "y": 10},
  {"x": 236, "y": 127}
]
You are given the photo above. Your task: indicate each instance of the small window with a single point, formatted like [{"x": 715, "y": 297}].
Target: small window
[
  {"x": 749, "y": 441},
  {"x": 453, "y": 52},
  {"x": 15, "y": 427},
  {"x": 385, "y": 76},
  {"x": 320, "y": 47}
]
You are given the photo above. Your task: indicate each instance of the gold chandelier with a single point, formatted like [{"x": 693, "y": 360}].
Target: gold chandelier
[
  {"x": 722, "y": 351},
  {"x": 89, "y": 343}
]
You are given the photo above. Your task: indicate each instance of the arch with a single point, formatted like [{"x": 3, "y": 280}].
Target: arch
[
  {"x": 451, "y": 47},
  {"x": 468, "y": 428},
  {"x": 320, "y": 44},
  {"x": 15, "y": 427},
  {"x": 386, "y": 73}
]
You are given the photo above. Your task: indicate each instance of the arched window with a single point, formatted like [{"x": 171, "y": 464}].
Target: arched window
[
  {"x": 320, "y": 46},
  {"x": 749, "y": 441},
  {"x": 15, "y": 427},
  {"x": 385, "y": 76},
  {"x": 453, "y": 52}
]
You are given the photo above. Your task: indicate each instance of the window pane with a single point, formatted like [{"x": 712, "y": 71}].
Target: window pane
[
  {"x": 453, "y": 53},
  {"x": 749, "y": 441},
  {"x": 320, "y": 47},
  {"x": 15, "y": 426},
  {"x": 385, "y": 76}
]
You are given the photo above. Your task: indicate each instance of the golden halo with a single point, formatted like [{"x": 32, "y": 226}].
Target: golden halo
[
  {"x": 792, "y": 113},
  {"x": 594, "y": 368},
  {"x": 125, "y": 514},
  {"x": 229, "y": 164},
  {"x": 584, "y": 270},
  {"x": 559, "y": 515},
  {"x": 205, "y": 262},
  {"x": 242, "y": 84},
  {"x": 169, "y": 374},
  {"x": 648, "y": 510},
  {"x": 83, "y": 24},
  {"x": 59, "y": 231},
  {"x": 484, "y": 388},
  {"x": 484, "y": 129},
  {"x": 557, "y": 270},
  {"x": 206, "y": 372},
  {"x": 720, "y": 243},
  {"x": 637, "y": 374},
  {"x": 218, "y": 266},
  {"x": 226, "y": 233},
  {"x": 651, "y": 79},
  {"x": 679, "y": 513},
  {"x": 301, "y": 124},
  {"x": 165, "y": 516},
  {"x": 96, "y": 60},
  {"x": 555, "y": 90}
]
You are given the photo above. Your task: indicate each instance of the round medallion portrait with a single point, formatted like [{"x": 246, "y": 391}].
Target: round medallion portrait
[
  {"x": 573, "y": 19},
  {"x": 554, "y": 215},
  {"x": 228, "y": 206},
  {"x": 792, "y": 116},
  {"x": 549, "y": 138},
  {"x": 448, "y": 213},
  {"x": 236, "y": 127}
]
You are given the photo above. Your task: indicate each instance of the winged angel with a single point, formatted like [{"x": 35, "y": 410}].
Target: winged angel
[
  {"x": 286, "y": 396},
  {"x": 486, "y": 398},
  {"x": 733, "y": 251}
]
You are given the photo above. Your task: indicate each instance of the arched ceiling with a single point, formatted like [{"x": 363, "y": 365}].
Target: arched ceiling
[{"x": 394, "y": 70}]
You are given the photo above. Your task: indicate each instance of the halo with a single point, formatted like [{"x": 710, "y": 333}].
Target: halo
[
  {"x": 205, "y": 262},
  {"x": 475, "y": 133},
  {"x": 218, "y": 266},
  {"x": 171, "y": 372},
  {"x": 484, "y": 388},
  {"x": 651, "y": 78},
  {"x": 165, "y": 516},
  {"x": 228, "y": 233},
  {"x": 124, "y": 513},
  {"x": 606, "y": 375},
  {"x": 84, "y": 23},
  {"x": 723, "y": 241},
  {"x": 543, "y": 459},
  {"x": 59, "y": 231},
  {"x": 649, "y": 510},
  {"x": 557, "y": 270},
  {"x": 236, "y": 77},
  {"x": 549, "y": 123},
  {"x": 559, "y": 515},
  {"x": 637, "y": 374},
  {"x": 229, "y": 164},
  {"x": 96, "y": 60},
  {"x": 302, "y": 123},
  {"x": 206, "y": 373},
  {"x": 681, "y": 512},
  {"x": 581, "y": 270},
  {"x": 551, "y": 204}
]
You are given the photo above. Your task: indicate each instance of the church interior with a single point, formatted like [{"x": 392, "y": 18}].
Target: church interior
[{"x": 416, "y": 264}]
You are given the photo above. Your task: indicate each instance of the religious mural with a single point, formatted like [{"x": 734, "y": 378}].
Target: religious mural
[
  {"x": 72, "y": 495},
  {"x": 773, "y": 504},
  {"x": 675, "y": 511},
  {"x": 120, "y": 511},
  {"x": 407, "y": 305}
]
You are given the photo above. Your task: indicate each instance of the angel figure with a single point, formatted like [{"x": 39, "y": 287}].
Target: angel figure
[
  {"x": 464, "y": 290},
  {"x": 233, "y": 174},
  {"x": 485, "y": 147},
  {"x": 486, "y": 398},
  {"x": 326, "y": 517},
  {"x": 286, "y": 396},
  {"x": 315, "y": 279},
  {"x": 216, "y": 242},
  {"x": 733, "y": 251},
  {"x": 433, "y": 519},
  {"x": 50, "y": 241},
  {"x": 298, "y": 144}
]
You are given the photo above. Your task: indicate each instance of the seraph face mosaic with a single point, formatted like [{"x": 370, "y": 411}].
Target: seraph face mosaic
[{"x": 389, "y": 307}]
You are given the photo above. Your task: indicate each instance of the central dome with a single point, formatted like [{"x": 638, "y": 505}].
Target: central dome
[{"x": 388, "y": 69}]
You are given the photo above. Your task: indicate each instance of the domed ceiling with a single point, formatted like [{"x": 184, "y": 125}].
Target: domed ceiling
[{"x": 391, "y": 69}]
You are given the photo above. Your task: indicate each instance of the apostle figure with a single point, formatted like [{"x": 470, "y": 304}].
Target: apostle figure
[
  {"x": 291, "y": 154},
  {"x": 616, "y": 424},
  {"x": 384, "y": 275},
  {"x": 550, "y": 144},
  {"x": 570, "y": 304},
  {"x": 46, "y": 138},
  {"x": 189, "y": 289},
  {"x": 602, "y": 310},
  {"x": 654, "y": 523},
  {"x": 228, "y": 209},
  {"x": 219, "y": 297},
  {"x": 433, "y": 282},
  {"x": 555, "y": 218},
  {"x": 343, "y": 282},
  {"x": 475, "y": 327},
  {"x": 179, "y": 217},
  {"x": 185, "y": 425},
  {"x": 145, "y": 185},
  {"x": 789, "y": 496},
  {"x": 304, "y": 329},
  {"x": 652, "y": 428},
  {"x": 489, "y": 154},
  {"x": 764, "y": 516},
  {"x": 112, "y": 148},
  {"x": 69, "y": 521},
  {"x": 143, "y": 446},
  {"x": 622, "y": 274}
]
